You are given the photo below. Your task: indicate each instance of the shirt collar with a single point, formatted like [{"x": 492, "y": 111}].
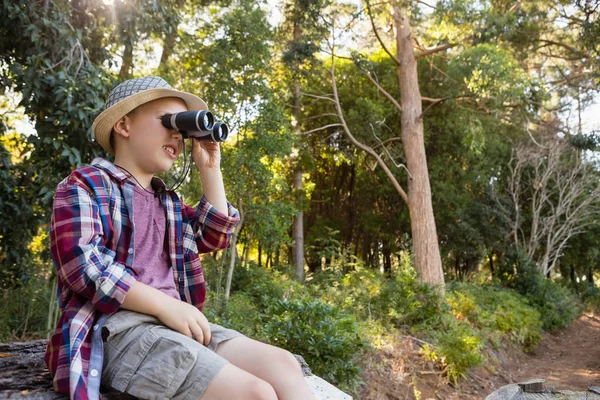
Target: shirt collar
[{"x": 157, "y": 184}]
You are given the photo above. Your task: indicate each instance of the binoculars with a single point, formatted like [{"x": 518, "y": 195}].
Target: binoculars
[{"x": 197, "y": 124}]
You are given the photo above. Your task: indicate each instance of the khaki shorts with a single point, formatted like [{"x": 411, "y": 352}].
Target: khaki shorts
[{"x": 146, "y": 359}]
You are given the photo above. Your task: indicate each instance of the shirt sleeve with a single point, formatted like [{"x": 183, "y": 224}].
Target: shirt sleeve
[
  {"x": 212, "y": 228},
  {"x": 83, "y": 264}
]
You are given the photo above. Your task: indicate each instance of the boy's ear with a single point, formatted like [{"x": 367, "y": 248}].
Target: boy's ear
[{"x": 121, "y": 127}]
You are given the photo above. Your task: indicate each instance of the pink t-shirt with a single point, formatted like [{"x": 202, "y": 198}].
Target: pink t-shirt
[{"x": 151, "y": 262}]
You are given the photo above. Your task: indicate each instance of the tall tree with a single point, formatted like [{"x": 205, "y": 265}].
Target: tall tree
[{"x": 302, "y": 19}]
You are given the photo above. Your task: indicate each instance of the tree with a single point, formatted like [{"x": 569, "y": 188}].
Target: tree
[
  {"x": 303, "y": 33},
  {"x": 426, "y": 252},
  {"x": 557, "y": 191}
]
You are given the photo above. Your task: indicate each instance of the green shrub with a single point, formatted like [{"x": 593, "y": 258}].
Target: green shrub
[
  {"x": 269, "y": 306},
  {"x": 588, "y": 294},
  {"x": 24, "y": 310},
  {"x": 557, "y": 306},
  {"x": 242, "y": 314},
  {"x": 408, "y": 302},
  {"x": 496, "y": 310},
  {"x": 326, "y": 337},
  {"x": 460, "y": 346},
  {"x": 398, "y": 299},
  {"x": 266, "y": 286}
]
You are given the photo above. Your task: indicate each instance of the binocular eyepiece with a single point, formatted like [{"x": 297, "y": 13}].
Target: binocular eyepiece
[{"x": 197, "y": 124}]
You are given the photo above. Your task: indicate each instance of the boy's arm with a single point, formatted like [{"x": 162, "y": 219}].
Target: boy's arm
[
  {"x": 176, "y": 314},
  {"x": 214, "y": 189},
  {"x": 82, "y": 265},
  {"x": 214, "y": 218}
]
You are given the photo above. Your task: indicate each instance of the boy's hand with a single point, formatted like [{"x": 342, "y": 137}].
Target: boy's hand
[
  {"x": 185, "y": 319},
  {"x": 206, "y": 154}
]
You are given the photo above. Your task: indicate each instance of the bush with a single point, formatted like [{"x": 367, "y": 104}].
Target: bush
[
  {"x": 398, "y": 299},
  {"x": 269, "y": 306},
  {"x": 557, "y": 306},
  {"x": 408, "y": 302},
  {"x": 460, "y": 347},
  {"x": 24, "y": 310},
  {"x": 588, "y": 294},
  {"x": 241, "y": 313},
  {"x": 497, "y": 311},
  {"x": 326, "y": 337}
]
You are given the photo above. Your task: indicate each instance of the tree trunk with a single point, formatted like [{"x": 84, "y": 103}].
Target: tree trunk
[
  {"x": 124, "y": 73},
  {"x": 169, "y": 44},
  {"x": 298, "y": 228},
  {"x": 298, "y": 232},
  {"x": 259, "y": 254},
  {"x": 23, "y": 374},
  {"x": 232, "y": 245},
  {"x": 428, "y": 262}
]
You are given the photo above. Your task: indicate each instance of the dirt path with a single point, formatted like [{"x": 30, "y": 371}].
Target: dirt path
[{"x": 569, "y": 359}]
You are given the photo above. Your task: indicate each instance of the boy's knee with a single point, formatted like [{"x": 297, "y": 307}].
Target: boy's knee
[
  {"x": 288, "y": 361},
  {"x": 257, "y": 389}
]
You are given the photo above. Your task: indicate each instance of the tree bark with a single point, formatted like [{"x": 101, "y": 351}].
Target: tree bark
[
  {"x": 169, "y": 44},
  {"x": 298, "y": 226},
  {"x": 232, "y": 245},
  {"x": 23, "y": 373},
  {"x": 428, "y": 262}
]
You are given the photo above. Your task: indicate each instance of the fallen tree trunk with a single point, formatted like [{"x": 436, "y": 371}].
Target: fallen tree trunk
[{"x": 23, "y": 375}]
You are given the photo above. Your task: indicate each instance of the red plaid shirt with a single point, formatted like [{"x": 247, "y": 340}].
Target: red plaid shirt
[{"x": 92, "y": 248}]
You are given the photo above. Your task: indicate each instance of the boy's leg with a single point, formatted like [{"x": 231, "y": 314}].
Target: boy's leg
[
  {"x": 234, "y": 383},
  {"x": 276, "y": 366}
]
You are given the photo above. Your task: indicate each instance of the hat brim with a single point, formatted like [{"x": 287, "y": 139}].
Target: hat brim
[{"x": 104, "y": 122}]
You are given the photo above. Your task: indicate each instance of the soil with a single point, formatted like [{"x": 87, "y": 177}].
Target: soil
[{"x": 567, "y": 359}]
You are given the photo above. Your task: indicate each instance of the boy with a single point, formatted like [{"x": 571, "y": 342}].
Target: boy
[{"x": 130, "y": 280}]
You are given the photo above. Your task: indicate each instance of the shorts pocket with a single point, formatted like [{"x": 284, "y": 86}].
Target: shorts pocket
[{"x": 150, "y": 365}]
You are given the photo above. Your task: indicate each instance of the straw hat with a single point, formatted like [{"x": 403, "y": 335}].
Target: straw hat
[{"x": 131, "y": 94}]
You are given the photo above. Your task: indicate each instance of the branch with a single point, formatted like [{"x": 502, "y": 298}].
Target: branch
[
  {"x": 566, "y": 46},
  {"x": 434, "y": 50},
  {"x": 438, "y": 101},
  {"x": 385, "y": 93},
  {"x": 317, "y": 97},
  {"x": 358, "y": 144},
  {"x": 393, "y": 57},
  {"x": 389, "y": 155},
  {"x": 515, "y": 6},
  {"x": 320, "y": 129}
]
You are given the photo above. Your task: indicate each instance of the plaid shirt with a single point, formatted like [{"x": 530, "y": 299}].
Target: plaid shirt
[{"x": 92, "y": 246}]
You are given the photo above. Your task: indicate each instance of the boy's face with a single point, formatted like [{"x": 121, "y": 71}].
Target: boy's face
[{"x": 145, "y": 141}]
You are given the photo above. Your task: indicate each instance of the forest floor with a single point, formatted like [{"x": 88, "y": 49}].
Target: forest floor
[{"x": 567, "y": 359}]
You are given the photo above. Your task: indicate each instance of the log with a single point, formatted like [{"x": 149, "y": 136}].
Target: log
[{"x": 23, "y": 375}]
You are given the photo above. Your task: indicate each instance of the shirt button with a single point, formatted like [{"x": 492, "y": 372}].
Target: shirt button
[
  {"x": 130, "y": 251},
  {"x": 96, "y": 327},
  {"x": 94, "y": 372}
]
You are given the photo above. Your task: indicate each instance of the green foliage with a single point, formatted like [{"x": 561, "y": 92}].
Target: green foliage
[
  {"x": 588, "y": 294},
  {"x": 24, "y": 310},
  {"x": 268, "y": 305},
  {"x": 557, "y": 306},
  {"x": 494, "y": 76},
  {"x": 326, "y": 337},
  {"x": 15, "y": 256},
  {"x": 459, "y": 346},
  {"x": 501, "y": 312}
]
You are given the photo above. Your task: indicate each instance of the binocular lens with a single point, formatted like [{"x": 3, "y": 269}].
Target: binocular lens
[{"x": 220, "y": 132}]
